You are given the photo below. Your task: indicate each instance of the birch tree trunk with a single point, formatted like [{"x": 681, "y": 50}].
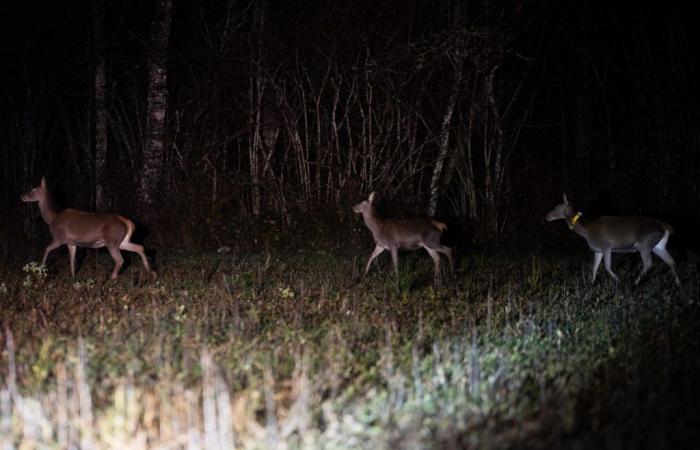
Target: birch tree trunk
[
  {"x": 153, "y": 151},
  {"x": 470, "y": 180},
  {"x": 100, "y": 93},
  {"x": 443, "y": 141},
  {"x": 493, "y": 160},
  {"x": 256, "y": 87}
]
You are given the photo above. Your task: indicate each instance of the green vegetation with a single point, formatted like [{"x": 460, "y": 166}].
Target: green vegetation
[{"x": 288, "y": 350}]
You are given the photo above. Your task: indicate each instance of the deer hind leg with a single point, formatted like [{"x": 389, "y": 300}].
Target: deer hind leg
[
  {"x": 129, "y": 246},
  {"x": 436, "y": 259},
  {"x": 662, "y": 253},
  {"x": 377, "y": 251},
  {"x": 607, "y": 254},
  {"x": 136, "y": 248},
  {"x": 447, "y": 251},
  {"x": 646, "y": 261},
  {"x": 118, "y": 261},
  {"x": 597, "y": 258},
  {"x": 71, "y": 256}
]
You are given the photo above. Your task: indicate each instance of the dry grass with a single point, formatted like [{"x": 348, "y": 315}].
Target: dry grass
[{"x": 288, "y": 351}]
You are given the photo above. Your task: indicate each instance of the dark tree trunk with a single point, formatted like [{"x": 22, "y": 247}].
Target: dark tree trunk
[
  {"x": 156, "y": 107},
  {"x": 584, "y": 131},
  {"x": 100, "y": 93}
]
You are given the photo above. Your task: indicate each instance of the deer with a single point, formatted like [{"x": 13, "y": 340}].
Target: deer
[
  {"x": 612, "y": 234},
  {"x": 403, "y": 234},
  {"x": 76, "y": 228}
]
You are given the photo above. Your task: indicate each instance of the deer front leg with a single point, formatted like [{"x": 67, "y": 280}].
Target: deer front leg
[
  {"x": 597, "y": 258},
  {"x": 607, "y": 254},
  {"x": 49, "y": 248},
  {"x": 377, "y": 251},
  {"x": 71, "y": 256},
  {"x": 395, "y": 260}
]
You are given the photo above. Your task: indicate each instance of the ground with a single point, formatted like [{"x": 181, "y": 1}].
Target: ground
[{"x": 293, "y": 349}]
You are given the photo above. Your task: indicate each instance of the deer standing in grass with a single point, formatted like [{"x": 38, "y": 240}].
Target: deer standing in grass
[
  {"x": 608, "y": 234},
  {"x": 83, "y": 229},
  {"x": 405, "y": 234}
]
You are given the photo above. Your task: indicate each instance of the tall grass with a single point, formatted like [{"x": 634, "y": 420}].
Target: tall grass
[{"x": 288, "y": 351}]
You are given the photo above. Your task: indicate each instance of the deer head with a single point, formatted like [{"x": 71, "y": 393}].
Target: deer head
[
  {"x": 561, "y": 211},
  {"x": 36, "y": 194},
  {"x": 365, "y": 205}
]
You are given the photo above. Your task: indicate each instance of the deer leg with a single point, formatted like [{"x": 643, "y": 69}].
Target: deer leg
[
  {"x": 662, "y": 253},
  {"x": 49, "y": 248},
  {"x": 646, "y": 264},
  {"x": 607, "y": 254},
  {"x": 597, "y": 258},
  {"x": 395, "y": 261},
  {"x": 436, "y": 259},
  {"x": 118, "y": 261},
  {"x": 447, "y": 251},
  {"x": 136, "y": 248},
  {"x": 377, "y": 251},
  {"x": 71, "y": 256}
]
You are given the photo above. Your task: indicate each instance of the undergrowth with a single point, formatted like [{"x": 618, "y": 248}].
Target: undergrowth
[{"x": 296, "y": 350}]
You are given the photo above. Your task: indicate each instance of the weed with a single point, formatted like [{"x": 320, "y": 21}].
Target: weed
[
  {"x": 277, "y": 351},
  {"x": 36, "y": 275}
]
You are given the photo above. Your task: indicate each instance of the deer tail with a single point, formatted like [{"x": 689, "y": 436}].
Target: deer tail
[
  {"x": 439, "y": 225},
  {"x": 668, "y": 228},
  {"x": 129, "y": 228}
]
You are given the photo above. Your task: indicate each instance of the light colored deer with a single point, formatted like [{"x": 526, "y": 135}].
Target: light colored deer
[
  {"x": 83, "y": 229},
  {"x": 609, "y": 234},
  {"x": 404, "y": 234}
]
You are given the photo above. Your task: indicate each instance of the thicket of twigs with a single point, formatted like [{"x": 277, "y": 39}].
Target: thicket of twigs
[{"x": 477, "y": 113}]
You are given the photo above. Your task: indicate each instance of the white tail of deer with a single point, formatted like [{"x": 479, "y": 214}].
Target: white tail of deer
[
  {"x": 608, "y": 234},
  {"x": 83, "y": 229},
  {"x": 405, "y": 234}
]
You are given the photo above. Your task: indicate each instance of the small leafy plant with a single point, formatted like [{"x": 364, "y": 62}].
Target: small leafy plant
[{"x": 36, "y": 275}]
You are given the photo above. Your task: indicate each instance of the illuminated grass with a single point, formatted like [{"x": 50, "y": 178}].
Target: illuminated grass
[{"x": 288, "y": 350}]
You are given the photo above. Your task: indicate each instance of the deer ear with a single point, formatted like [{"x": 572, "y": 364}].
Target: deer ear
[
  {"x": 565, "y": 199},
  {"x": 371, "y": 197},
  {"x": 43, "y": 182}
]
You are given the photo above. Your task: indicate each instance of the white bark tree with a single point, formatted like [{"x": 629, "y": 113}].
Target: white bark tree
[{"x": 444, "y": 138}]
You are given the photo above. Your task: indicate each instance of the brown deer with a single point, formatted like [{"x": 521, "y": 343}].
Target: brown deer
[
  {"x": 83, "y": 229},
  {"x": 608, "y": 234},
  {"x": 405, "y": 234}
]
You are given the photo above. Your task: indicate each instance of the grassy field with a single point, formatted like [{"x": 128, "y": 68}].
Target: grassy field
[{"x": 289, "y": 350}]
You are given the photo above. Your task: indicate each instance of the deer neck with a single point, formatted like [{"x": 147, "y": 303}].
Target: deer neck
[
  {"x": 576, "y": 225},
  {"x": 373, "y": 222},
  {"x": 48, "y": 208}
]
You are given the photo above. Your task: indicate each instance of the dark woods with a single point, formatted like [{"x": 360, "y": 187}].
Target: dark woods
[{"x": 190, "y": 116}]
